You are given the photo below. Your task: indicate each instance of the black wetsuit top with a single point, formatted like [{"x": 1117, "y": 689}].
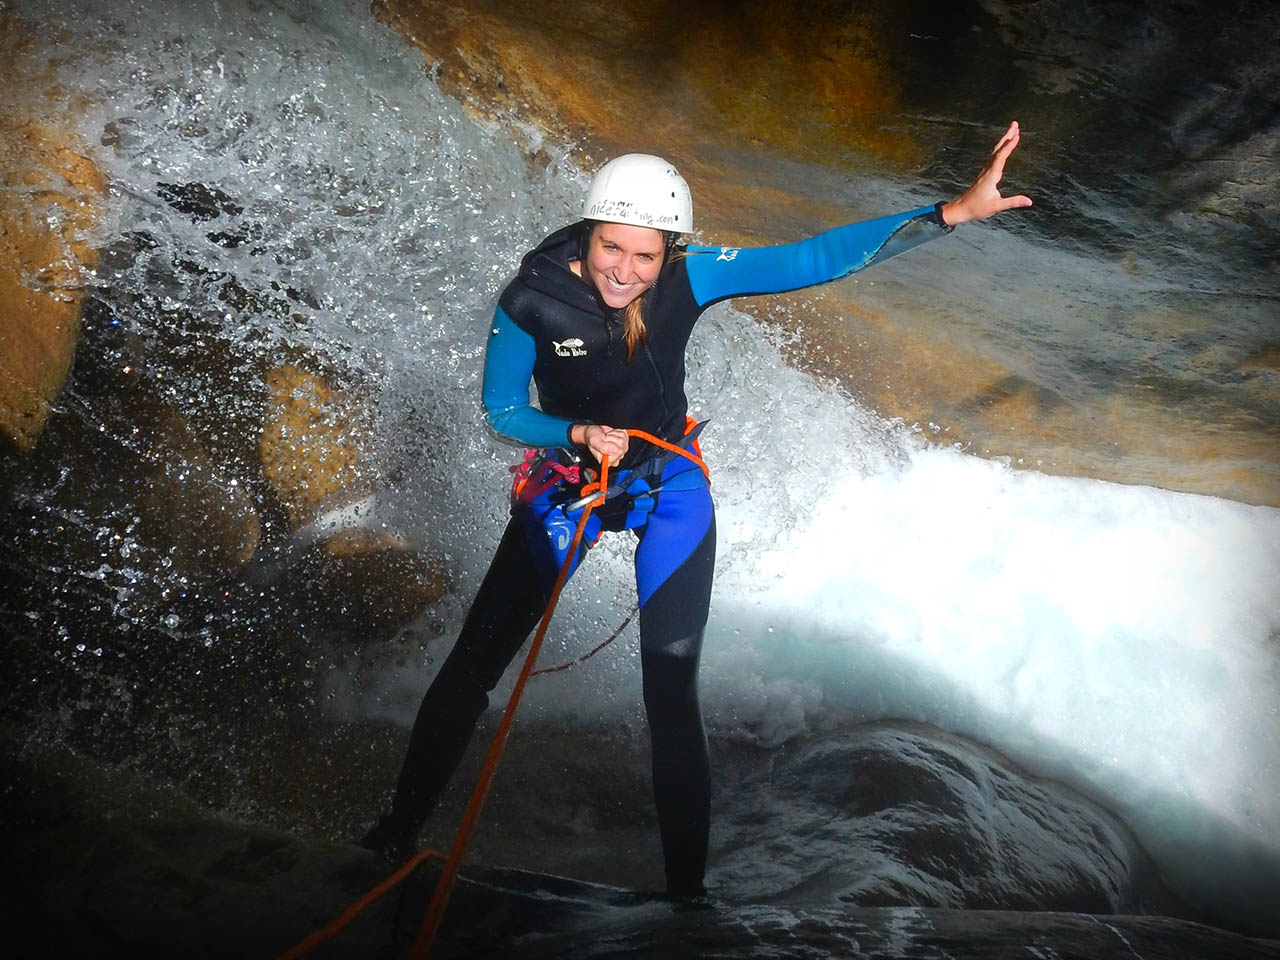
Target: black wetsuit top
[{"x": 581, "y": 367}]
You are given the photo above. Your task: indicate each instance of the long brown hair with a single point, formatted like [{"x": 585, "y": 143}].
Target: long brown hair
[{"x": 633, "y": 323}]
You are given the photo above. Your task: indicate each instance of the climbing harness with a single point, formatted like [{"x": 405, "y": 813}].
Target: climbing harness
[
  {"x": 651, "y": 469},
  {"x": 540, "y": 470},
  {"x": 594, "y": 494}
]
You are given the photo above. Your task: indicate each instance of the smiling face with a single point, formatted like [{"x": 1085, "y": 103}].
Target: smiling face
[{"x": 623, "y": 261}]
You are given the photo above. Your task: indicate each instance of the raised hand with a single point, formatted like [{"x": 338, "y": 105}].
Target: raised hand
[{"x": 983, "y": 198}]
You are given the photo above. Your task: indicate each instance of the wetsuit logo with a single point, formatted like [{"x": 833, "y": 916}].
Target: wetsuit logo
[
  {"x": 569, "y": 348},
  {"x": 727, "y": 253}
]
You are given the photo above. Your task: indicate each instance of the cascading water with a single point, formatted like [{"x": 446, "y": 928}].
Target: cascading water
[{"x": 286, "y": 180}]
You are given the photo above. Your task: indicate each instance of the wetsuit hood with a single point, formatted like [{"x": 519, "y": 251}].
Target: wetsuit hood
[{"x": 545, "y": 268}]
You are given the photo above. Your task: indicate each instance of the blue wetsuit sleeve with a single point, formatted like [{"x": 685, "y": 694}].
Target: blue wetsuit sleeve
[
  {"x": 508, "y": 367},
  {"x": 717, "y": 273}
]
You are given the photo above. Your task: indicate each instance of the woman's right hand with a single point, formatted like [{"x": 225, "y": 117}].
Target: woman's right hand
[{"x": 601, "y": 440}]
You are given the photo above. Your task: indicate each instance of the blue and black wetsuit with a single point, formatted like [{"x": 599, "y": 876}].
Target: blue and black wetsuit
[{"x": 550, "y": 327}]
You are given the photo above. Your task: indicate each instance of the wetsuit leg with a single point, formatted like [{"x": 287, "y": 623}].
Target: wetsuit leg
[
  {"x": 678, "y": 543},
  {"x": 507, "y": 607}
]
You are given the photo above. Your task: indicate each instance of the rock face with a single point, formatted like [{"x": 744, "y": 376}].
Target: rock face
[
  {"x": 768, "y": 110},
  {"x": 49, "y": 204},
  {"x": 717, "y": 93},
  {"x": 188, "y": 503},
  {"x": 368, "y": 584},
  {"x": 179, "y": 502},
  {"x": 314, "y": 451}
]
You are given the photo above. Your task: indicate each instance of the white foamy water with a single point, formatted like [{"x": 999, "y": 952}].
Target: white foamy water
[{"x": 1122, "y": 639}]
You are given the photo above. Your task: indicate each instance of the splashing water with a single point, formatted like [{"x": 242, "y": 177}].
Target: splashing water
[{"x": 1120, "y": 639}]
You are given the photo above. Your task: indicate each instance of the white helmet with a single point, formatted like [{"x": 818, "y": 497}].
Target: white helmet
[{"x": 643, "y": 190}]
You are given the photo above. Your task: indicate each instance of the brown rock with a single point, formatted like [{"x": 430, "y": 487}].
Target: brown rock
[
  {"x": 312, "y": 444},
  {"x": 139, "y": 475},
  {"x": 205, "y": 520},
  {"x": 313, "y": 450},
  {"x": 49, "y": 207},
  {"x": 723, "y": 96},
  {"x": 370, "y": 583},
  {"x": 356, "y": 580}
]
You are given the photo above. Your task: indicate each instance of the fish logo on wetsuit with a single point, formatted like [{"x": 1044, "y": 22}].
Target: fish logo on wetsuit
[{"x": 569, "y": 348}]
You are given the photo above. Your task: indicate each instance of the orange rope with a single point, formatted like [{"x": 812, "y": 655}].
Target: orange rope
[
  {"x": 461, "y": 840},
  {"x": 309, "y": 943},
  {"x": 695, "y": 457}
]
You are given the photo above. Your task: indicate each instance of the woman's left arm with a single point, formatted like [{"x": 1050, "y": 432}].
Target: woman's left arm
[{"x": 718, "y": 273}]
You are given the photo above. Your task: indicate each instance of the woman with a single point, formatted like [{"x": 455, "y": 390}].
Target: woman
[{"x": 598, "y": 316}]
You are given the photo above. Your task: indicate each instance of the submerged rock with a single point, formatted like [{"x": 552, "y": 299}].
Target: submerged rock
[
  {"x": 911, "y": 816},
  {"x": 120, "y": 866}
]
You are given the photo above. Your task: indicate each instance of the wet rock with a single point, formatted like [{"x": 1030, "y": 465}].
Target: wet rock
[
  {"x": 270, "y": 447},
  {"x": 49, "y": 207},
  {"x": 203, "y": 203},
  {"x": 122, "y": 866},
  {"x": 198, "y": 201},
  {"x": 1266, "y": 358},
  {"x": 725, "y": 98},
  {"x": 147, "y": 476},
  {"x": 350, "y": 579},
  {"x": 368, "y": 584},
  {"x": 146, "y": 460},
  {"x": 146, "y": 872},
  {"x": 910, "y": 816},
  {"x": 313, "y": 443},
  {"x": 205, "y": 517}
]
